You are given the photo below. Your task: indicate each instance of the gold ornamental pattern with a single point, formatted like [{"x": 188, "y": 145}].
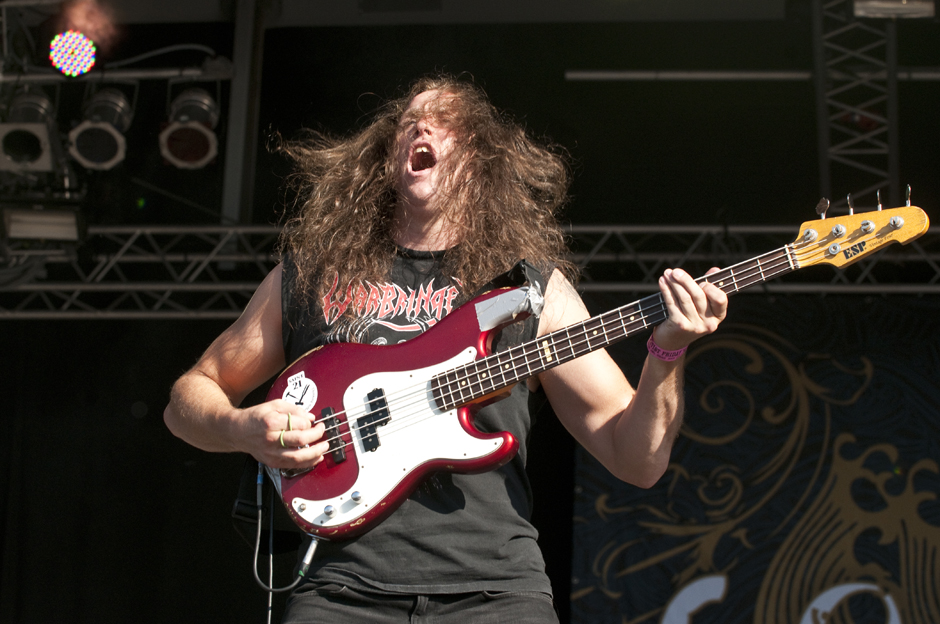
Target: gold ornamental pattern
[
  {"x": 798, "y": 493},
  {"x": 834, "y": 525}
]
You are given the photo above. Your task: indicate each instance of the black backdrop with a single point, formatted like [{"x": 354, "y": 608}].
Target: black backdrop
[
  {"x": 106, "y": 517},
  {"x": 641, "y": 152}
]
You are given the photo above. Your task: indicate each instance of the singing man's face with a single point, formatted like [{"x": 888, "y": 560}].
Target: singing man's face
[{"x": 422, "y": 146}]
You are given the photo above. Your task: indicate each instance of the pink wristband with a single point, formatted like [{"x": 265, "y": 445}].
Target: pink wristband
[{"x": 658, "y": 352}]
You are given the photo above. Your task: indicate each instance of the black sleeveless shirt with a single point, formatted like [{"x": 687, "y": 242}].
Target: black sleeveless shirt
[{"x": 456, "y": 533}]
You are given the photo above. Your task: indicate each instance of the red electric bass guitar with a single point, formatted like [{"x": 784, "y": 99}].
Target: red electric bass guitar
[{"x": 396, "y": 413}]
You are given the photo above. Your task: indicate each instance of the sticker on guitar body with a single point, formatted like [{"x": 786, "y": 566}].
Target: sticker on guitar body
[{"x": 301, "y": 391}]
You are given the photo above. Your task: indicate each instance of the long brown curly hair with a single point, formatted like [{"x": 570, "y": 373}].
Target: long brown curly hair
[{"x": 502, "y": 196}]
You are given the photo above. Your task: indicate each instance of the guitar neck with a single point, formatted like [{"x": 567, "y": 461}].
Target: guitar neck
[{"x": 490, "y": 375}]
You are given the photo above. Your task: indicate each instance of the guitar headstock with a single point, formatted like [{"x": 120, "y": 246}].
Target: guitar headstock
[{"x": 844, "y": 239}]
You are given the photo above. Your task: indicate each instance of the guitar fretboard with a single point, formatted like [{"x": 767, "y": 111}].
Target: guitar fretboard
[{"x": 473, "y": 381}]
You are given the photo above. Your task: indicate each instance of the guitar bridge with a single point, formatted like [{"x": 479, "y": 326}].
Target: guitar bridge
[
  {"x": 332, "y": 434},
  {"x": 337, "y": 446}
]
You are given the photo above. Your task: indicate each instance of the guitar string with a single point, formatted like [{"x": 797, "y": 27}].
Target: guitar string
[
  {"x": 788, "y": 253},
  {"x": 783, "y": 260},
  {"x": 782, "y": 263},
  {"x": 616, "y": 327},
  {"x": 404, "y": 420},
  {"x": 652, "y": 311},
  {"x": 524, "y": 349}
]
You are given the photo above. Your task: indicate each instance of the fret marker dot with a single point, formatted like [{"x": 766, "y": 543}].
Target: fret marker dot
[
  {"x": 721, "y": 283},
  {"x": 632, "y": 317}
]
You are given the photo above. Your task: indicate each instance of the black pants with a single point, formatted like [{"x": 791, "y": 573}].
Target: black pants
[{"x": 339, "y": 604}]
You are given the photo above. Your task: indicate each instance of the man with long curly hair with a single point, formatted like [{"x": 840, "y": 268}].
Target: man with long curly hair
[{"x": 395, "y": 226}]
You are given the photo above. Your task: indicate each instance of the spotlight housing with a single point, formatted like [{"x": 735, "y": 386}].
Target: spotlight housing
[
  {"x": 890, "y": 9},
  {"x": 188, "y": 141},
  {"x": 42, "y": 224},
  {"x": 25, "y": 138},
  {"x": 98, "y": 141}
]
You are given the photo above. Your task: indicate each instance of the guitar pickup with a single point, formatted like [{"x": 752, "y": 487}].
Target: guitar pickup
[
  {"x": 337, "y": 446},
  {"x": 377, "y": 416}
]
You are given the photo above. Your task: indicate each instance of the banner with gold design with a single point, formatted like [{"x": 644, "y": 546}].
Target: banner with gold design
[{"x": 803, "y": 488}]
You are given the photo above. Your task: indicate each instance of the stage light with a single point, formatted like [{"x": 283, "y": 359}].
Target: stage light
[
  {"x": 188, "y": 141},
  {"x": 25, "y": 138},
  {"x": 42, "y": 224},
  {"x": 72, "y": 53},
  {"x": 98, "y": 141},
  {"x": 888, "y": 9}
]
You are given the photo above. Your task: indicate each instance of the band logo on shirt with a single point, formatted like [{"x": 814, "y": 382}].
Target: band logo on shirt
[{"x": 386, "y": 301}]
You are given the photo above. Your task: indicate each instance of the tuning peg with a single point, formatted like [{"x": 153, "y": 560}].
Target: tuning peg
[
  {"x": 848, "y": 198},
  {"x": 822, "y": 207},
  {"x": 907, "y": 196},
  {"x": 878, "y": 195}
]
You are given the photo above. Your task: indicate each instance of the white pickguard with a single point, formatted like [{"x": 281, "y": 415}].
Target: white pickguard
[{"x": 417, "y": 432}]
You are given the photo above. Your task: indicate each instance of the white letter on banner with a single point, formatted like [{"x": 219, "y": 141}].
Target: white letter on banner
[
  {"x": 693, "y": 597},
  {"x": 820, "y": 608}
]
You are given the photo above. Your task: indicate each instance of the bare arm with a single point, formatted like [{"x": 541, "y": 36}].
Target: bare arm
[
  {"x": 203, "y": 408},
  {"x": 630, "y": 431}
]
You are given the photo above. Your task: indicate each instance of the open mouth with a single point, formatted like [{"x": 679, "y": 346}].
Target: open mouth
[{"x": 422, "y": 158}]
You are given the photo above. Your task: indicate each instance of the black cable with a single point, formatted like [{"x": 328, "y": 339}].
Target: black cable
[
  {"x": 165, "y": 50},
  {"x": 271, "y": 555},
  {"x": 305, "y": 563}
]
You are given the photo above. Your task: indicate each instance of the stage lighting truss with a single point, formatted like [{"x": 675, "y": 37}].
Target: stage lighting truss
[
  {"x": 167, "y": 272},
  {"x": 189, "y": 141},
  {"x": 28, "y": 135},
  {"x": 98, "y": 141}
]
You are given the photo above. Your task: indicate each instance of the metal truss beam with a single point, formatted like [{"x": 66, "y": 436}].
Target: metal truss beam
[
  {"x": 856, "y": 103},
  {"x": 210, "y": 272},
  {"x": 140, "y": 272},
  {"x": 630, "y": 259}
]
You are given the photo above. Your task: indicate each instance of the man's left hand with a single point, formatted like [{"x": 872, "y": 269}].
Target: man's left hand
[{"x": 694, "y": 310}]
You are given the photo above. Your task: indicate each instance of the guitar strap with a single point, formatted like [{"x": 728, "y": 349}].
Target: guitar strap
[{"x": 287, "y": 536}]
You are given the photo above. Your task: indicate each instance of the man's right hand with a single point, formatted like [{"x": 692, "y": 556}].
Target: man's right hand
[{"x": 281, "y": 435}]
